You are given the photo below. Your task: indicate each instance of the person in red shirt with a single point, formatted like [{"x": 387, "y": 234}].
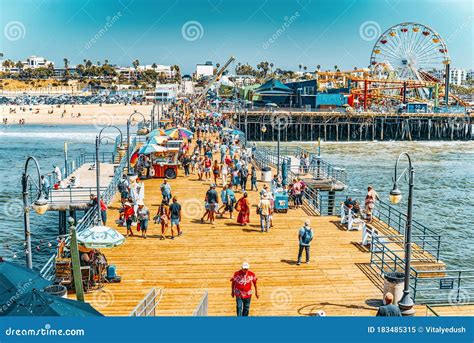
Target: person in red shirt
[{"x": 242, "y": 289}]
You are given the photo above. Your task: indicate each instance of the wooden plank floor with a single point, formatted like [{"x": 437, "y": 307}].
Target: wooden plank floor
[{"x": 338, "y": 280}]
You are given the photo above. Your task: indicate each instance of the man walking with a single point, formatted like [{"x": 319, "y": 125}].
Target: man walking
[
  {"x": 305, "y": 236},
  {"x": 264, "y": 207},
  {"x": 45, "y": 187},
  {"x": 175, "y": 214},
  {"x": 242, "y": 289}
]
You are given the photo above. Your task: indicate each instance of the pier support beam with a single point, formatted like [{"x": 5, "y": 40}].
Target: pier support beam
[
  {"x": 331, "y": 202},
  {"x": 62, "y": 222}
]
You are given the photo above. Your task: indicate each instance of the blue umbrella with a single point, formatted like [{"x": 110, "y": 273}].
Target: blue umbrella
[
  {"x": 38, "y": 303},
  {"x": 233, "y": 131},
  {"x": 16, "y": 280}
]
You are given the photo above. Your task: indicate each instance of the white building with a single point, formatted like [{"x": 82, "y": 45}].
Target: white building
[
  {"x": 159, "y": 69},
  {"x": 36, "y": 62},
  {"x": 166, "y": 91},
  {"x": 206, "y": 69},
  {"x": 457, "y": 76}
]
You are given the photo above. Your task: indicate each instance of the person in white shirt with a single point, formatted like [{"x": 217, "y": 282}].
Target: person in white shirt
[{"x": 57, "y": 173}]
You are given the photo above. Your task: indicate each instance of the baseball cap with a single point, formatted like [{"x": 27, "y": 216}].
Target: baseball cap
[{"x": 245, "y": 265}]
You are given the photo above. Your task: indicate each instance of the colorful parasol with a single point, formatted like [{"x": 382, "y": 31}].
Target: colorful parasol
[
  {"x": 158, "y": 140},
  {"x": 179, "y": 132},
  {"x": 156, "y": 132},
  {"x": 151, "y": 148}
]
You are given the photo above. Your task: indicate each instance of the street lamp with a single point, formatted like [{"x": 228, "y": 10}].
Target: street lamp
[
  {"x": 406, "y": 303},
  {"x": 40, "y": 205},
  {"x": 129, "y": 122},
  {"x": 98, "y": 140}
]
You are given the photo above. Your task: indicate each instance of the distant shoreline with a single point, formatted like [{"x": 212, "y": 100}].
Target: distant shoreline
[{"x": 94, "y": 114}]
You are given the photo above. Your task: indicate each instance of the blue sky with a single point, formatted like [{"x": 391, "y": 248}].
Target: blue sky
[{"x": 317, "y": 32}]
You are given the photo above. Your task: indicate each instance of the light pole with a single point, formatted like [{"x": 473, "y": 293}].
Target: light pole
[
  {"x": 278, "y": 124},
  {"x": 40, "y": 205},
  {"x": 129, "y": 121},
  {"x": 406, "y": 303},
  {"x": 98, "y": 140}
]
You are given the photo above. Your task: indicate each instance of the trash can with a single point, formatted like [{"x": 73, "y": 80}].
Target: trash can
[
  {"x": 393, "y": 283},
  {"x": 266, "y": 174},
  {"x": 58, "y": 290}
]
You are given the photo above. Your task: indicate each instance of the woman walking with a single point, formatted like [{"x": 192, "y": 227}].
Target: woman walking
[
  {"x": 163, "y": 216},
  {"x": 128, "y": 216},
  {"x": 143, "y": 216},
  {"x": 215, "y": 171},
  {"x": 243, "y": 207},
  {"x": 224, "y": 173}
]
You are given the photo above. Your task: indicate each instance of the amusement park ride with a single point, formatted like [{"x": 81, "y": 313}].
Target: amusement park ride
[{"x": 401, "y": 69}]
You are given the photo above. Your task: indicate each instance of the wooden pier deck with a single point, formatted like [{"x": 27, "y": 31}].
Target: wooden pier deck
[
  {"x": 78, "y": 197},
  {"x": 339, "y": 279}
]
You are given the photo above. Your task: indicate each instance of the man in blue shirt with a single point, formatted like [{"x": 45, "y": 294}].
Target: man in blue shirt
[{"x": 305, "y": 236}]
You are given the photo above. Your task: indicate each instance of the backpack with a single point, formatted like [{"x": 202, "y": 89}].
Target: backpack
[{"x": 307, "y": 236}]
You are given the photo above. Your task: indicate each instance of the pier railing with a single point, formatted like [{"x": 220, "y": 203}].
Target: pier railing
[
  {"x": 201, "y": 309},
  {"x": 427, "y": 286},
  {"x": 91, "y": 216},
  {"x": 147, "y": 307},
  {"x": 391, "y": 217}
]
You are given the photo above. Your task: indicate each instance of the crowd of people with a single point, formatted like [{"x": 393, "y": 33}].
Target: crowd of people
[{"x": 216, "y": 156}]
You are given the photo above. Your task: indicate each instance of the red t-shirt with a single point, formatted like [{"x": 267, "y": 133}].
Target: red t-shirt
[{"x": 243, "y": 283}]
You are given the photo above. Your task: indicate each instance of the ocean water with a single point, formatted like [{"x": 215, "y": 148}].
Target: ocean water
[
  {"x": 444, "y": 184},
  {"x": 46, "y": 143},
  {"x": 443, "y": 191}
]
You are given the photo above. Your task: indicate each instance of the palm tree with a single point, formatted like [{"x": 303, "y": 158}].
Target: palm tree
[
  {"x": 66, "y": 68},
  {"x": 335, "y": 67},
  {"x": 305, "y": 68},
  {"x": 299, "y": 66},
  {"x": 98, "y": 63},
  {"x": 106, "y": 62},
  {"x": 154, "y": 65}
]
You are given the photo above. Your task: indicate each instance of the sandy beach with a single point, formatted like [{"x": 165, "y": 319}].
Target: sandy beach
[{"x": 94, "y": 114}]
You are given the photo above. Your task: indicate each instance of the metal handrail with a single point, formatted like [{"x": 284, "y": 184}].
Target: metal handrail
[
  {"x": 147, "y": 306},
  {"x": 91, "y": 216},
  {"x": 202, "y": 307}
]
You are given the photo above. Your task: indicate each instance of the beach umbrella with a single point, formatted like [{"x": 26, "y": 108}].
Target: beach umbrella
[
  {"x": 233, "y": 131},
  {"x": 16, "y": 280},
  {"x": 179, "y": 132},
  {"x": 271, "y": 104},
  {"x": 159, "y": 139},
  {"x": 156, "y": 132},
  {"x": 100, "y": 237},
  {"x": 39, "y": 303},
  {"x": 216, "y": 115},
  {"x": 151, "y": 148}
]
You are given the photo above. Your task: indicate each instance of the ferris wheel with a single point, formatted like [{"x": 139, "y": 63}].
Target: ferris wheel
[{"x": 413, "y": 51}]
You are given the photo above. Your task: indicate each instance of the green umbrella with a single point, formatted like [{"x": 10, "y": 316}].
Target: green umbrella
[
  {"x": 100, "y": 237},
  {"x": 16, "y": 280},
  {"x": 39, "y": 303}
]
